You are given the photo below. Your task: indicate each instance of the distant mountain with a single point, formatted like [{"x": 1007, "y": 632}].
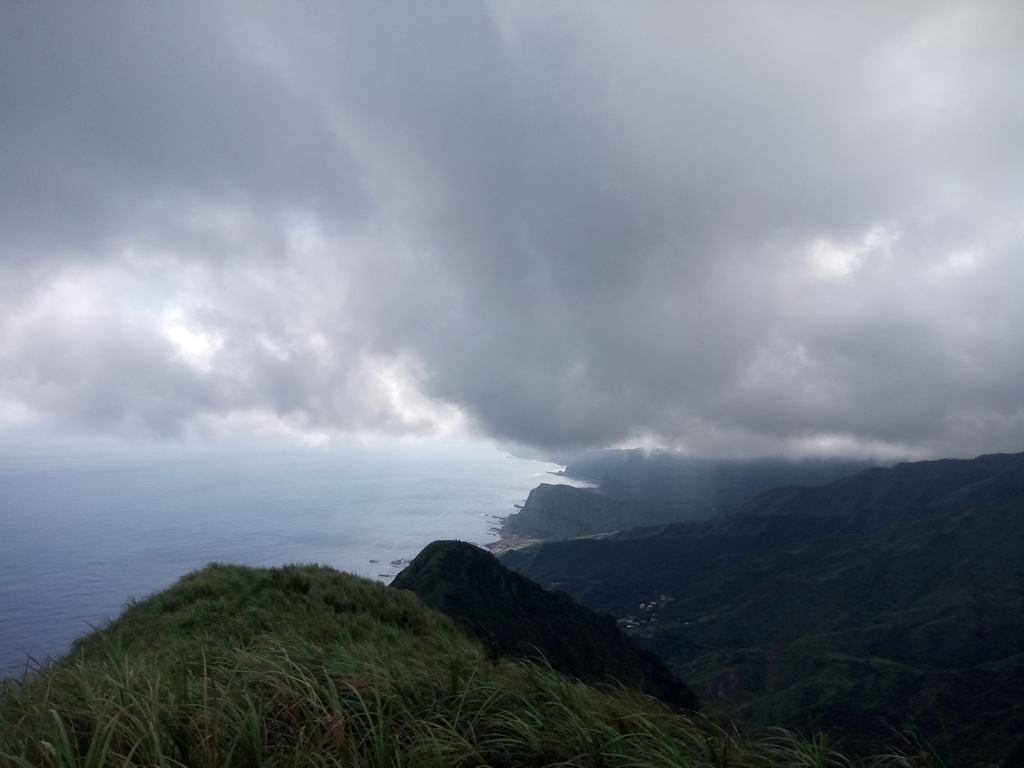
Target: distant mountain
[
  {"x": 515, "y": 617},
  {"x": 711, "y": 483},
  {"x": 915, "y": 489},
  {"x": 640, "y": 488},
  {"x": 890, "y": 601},
  {"x": 565, "y": 512}
]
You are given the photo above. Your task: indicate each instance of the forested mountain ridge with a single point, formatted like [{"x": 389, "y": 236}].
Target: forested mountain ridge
[
  {"x": 908, "y": 490},
  {"x": 565, "y": 512},
  {"x": 639, "y": 488},
  {"x": 722, "y": 483},
  {"x": 513, "y": 616},
  {"x": 893, "y": 599}
]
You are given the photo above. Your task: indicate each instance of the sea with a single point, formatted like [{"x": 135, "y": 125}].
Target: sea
[{"x": 83, "y": 529}]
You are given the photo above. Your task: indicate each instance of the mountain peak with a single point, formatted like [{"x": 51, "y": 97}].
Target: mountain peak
[{"x": 513, "y": 616}]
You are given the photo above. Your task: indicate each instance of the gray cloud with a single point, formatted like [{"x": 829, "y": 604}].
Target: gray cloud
[{"x": 735, "y": 230}]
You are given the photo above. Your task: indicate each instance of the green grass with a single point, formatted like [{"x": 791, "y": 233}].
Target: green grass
[{"x": 303, "y": 665}]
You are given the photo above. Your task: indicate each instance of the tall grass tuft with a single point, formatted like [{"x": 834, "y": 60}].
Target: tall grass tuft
[{"x": 303, "y": 666}]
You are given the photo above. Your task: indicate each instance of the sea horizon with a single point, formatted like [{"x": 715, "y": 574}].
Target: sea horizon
[{"x": 84, "y": 529}]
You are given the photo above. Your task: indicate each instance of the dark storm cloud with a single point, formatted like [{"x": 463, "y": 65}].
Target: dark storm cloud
[
  {"x": 121, "y": 111},
  {"x": 752, "y": 229}
]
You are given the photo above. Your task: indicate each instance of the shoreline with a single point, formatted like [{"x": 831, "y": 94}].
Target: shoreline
[{"x": 508, "y": 540}]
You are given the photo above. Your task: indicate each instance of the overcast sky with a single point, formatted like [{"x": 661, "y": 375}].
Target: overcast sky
[{"x": 736, "y": 229}]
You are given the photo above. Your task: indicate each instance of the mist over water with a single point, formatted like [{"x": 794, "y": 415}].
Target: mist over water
[{"x": 82, "y": 532}]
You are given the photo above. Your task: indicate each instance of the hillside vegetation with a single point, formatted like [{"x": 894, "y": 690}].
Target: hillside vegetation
[
  {"x": 513, "y": 616},
  {"x": 887, "y": 603},
  {"x": 637, "y": 488},
  {"x": 719, "y": 483},
  {"x": 303, "y": 665}
]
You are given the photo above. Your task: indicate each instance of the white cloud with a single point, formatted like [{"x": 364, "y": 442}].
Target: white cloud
[
  {"x": 740, "y": 229},
  {"x": 831, "y": 260},
  {"x": 196, "y": 349}
]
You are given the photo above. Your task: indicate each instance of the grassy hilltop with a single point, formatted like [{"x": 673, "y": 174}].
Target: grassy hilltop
[{"x": 303, "y": 665}]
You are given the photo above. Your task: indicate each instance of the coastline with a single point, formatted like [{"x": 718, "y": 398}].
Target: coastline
[
  {"x": 341, "y": 507},
  {"x": 508, "y": 540}
]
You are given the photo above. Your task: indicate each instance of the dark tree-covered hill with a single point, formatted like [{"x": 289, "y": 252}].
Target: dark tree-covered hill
[{"x": 516, "y": 617}]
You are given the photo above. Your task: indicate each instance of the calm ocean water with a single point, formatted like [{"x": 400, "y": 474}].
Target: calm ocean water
[{"x": 81, "y": 532}]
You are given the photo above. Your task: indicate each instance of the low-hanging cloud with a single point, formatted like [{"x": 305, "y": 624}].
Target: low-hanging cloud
[{"x": 740, "y": 229}]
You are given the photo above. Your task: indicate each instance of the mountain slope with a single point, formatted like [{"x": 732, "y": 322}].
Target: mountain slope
[
  {"x": 638, "y": 488},
  {"x": 716, "y": 483},
  {"x": 565, "y": 512},
  {"x": 891, "y": 599},
  {"x": 907, "y": 491},
  {"x": 515, "y": 617},
  {"x": 306, "y": 666}
]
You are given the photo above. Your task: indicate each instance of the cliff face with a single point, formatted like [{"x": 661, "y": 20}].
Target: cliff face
[
  {"x": 563, "y": 512},
  {"x": 640, "y": 489},
  {"x": 513, "y": 616}
]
